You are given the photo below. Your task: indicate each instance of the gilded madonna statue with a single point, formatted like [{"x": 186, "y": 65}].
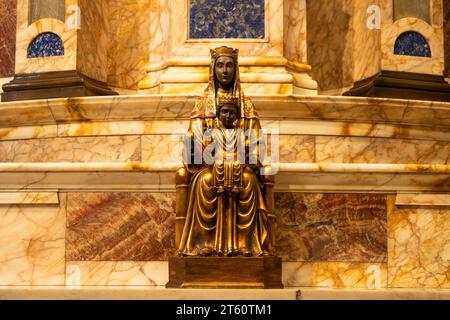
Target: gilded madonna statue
[{"x": 224, "y": 203}]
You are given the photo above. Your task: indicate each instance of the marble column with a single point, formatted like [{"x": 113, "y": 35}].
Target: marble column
[
  {"x": 342, "y": 49},
  {"x": 329, "y": 37}
]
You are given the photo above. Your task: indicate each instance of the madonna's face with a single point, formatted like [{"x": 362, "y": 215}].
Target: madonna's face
[{"x": 224, "y": 70}]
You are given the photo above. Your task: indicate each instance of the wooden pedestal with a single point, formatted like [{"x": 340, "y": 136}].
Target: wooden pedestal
[
  {"x": 403, "y": 85},
  {"x": 48, "y": 85},
  {"x": 225, "y": 272}
]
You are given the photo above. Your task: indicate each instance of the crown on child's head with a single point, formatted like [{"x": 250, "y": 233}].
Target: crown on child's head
[{"x": 228, "y": 99}]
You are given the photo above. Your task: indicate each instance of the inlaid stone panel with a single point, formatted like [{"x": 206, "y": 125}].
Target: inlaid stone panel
[
  {"x": 380, "y": 150},
  {"x": 83, "y": 149},
  {"x": 214, "y": 19},
  {"x": 419, "y": 247},
  {"x": 117, "y": 273},
  {"x": 331, "y": 227},
  {"x": 120, "y": 226},
  {"x": 335, "y": 275},
  {"x": 32, "y": 244}
]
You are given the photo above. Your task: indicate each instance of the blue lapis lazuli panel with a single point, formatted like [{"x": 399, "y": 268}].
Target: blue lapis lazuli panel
[
  {"x": 46, "y": 44},
  {"x": 412, "y": 44},
  {"x": 229, "y": 19}
]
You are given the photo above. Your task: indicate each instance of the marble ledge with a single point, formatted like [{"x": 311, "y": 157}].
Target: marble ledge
[
  {"x": 160, "y": 177},
  {"x": 284, "y": 127},
  {"x": 273, "y": 107},
  {"x": 161, "y": 293},
  {"x": 178, "y": 126},
  {"x": 278, "y": 168},
  {"x": 422, "y": 200}
]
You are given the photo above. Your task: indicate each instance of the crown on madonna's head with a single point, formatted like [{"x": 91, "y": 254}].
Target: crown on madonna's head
[
  {"x": 228, "y": 99},
  {"x": 224, "y": 51}
]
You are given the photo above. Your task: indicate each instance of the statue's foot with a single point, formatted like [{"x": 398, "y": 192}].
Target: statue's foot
[
  {"x": 266, "y": 253},
  {"x": 246, "y": 252},
  {"x": 232, "y": 253},
  {"x": 206, "y": 252}
]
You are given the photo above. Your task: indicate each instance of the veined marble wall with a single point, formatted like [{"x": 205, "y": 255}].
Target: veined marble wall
[
  {"x": 8, "y": 17},
  {"x": 122, "y": 238},
  {"x": 145, "y": 45},
  {"x": 162, "y": 58},
  {"x": 81, "y": 205}
]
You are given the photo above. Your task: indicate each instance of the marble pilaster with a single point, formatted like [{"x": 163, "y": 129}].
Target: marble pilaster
[
  {"x": 93, "y": 39},
  {"x": 329, "y": 34}
]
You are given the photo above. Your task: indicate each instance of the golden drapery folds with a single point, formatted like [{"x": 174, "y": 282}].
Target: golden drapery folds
[{"x": 221, "y": 204}]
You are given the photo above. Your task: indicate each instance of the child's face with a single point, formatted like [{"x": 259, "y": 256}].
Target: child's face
[{"x": 228, "y": 115}]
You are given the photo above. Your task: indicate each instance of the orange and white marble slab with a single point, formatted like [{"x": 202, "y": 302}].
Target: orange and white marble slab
[
  {"x": 116, "y": 273},
  {"x": 405, "y": 199},
  {"x": 80, "y": 149},
  {"x": 335, "y": 275},
  {"x": 377, "y": 150},
  {"x": 28, "y": 132},
  {"x": 418, "y": 247},
  {"x": 29, "y": 198},
  {"x": 32, "y": 244}
]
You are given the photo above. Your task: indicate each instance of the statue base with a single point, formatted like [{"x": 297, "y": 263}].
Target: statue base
[{"x": 225, "y": 272}]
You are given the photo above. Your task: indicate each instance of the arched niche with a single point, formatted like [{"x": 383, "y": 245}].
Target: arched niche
[
  {"x": 412, "y": 44},
  {"x": 40, "y": 9},
  {"x": 419, "y": 9},
  {"x": 47, "y": 44}
]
